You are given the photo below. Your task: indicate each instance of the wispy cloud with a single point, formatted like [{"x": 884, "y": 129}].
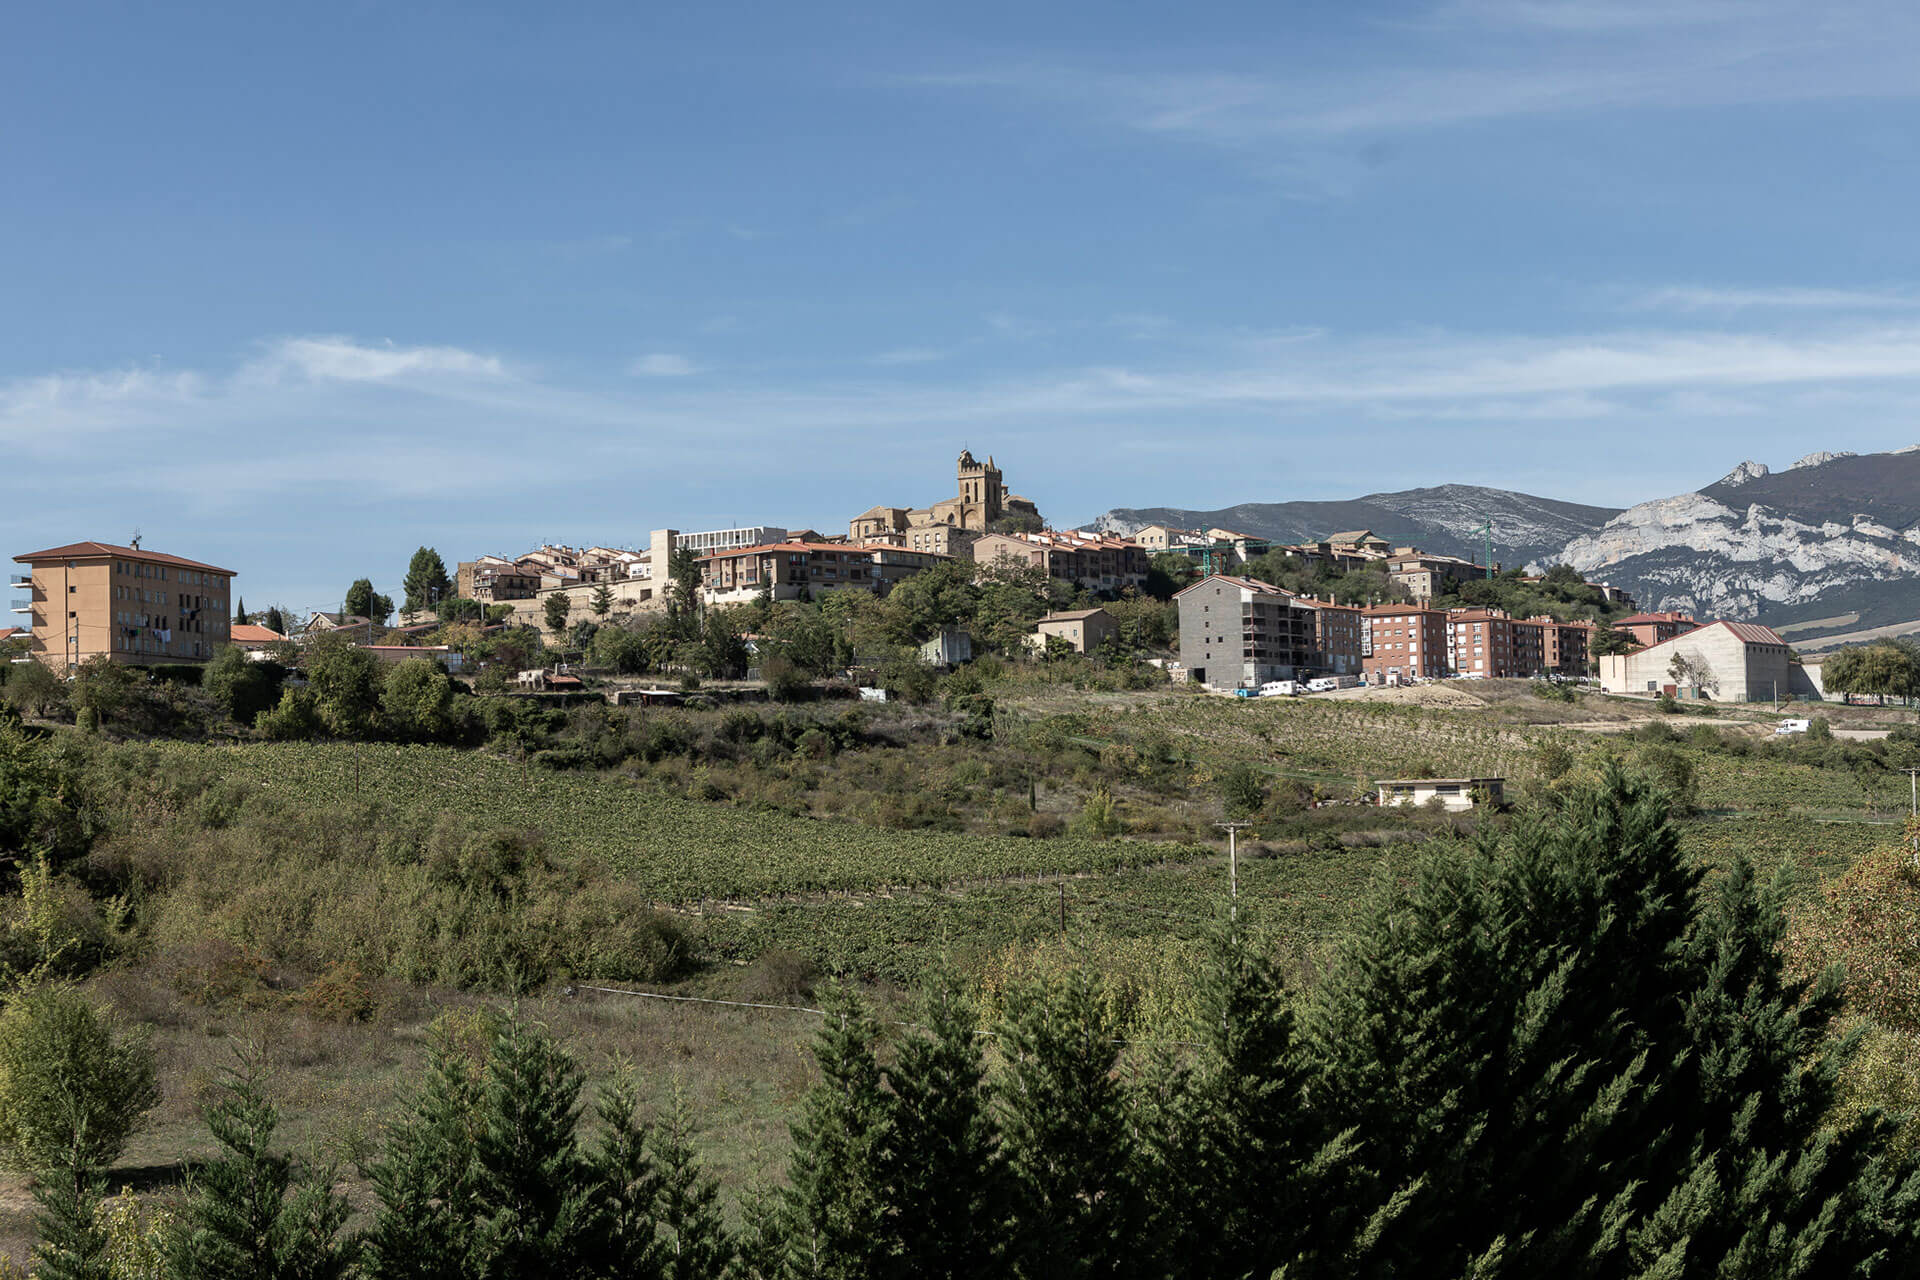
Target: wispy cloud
[
  {"x": 1488, "y": 60},
  {"x": 910, "y": 355},
  {"x": 662, "y": 364},
  {"x": 1700, "y": 298},
  {"x": 345, "y": 360}
]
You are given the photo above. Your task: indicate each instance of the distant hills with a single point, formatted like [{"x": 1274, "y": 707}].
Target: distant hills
[
  {"x": 1828, "y": 546},
  {"x": 1441, "y": 519}
]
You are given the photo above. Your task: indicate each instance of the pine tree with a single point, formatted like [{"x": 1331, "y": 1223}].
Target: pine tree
[
  {"x": 1767, "y": 1188},
  {"x": 533, "y": 1189},
  {"x": 426, "y": 583},
  {"x": 1242, "y": 1176},
  {"x": 1498, "y": 1033},
  {"x": 254, "y": 1213},
  {"x": 1064, "y": 1123},
  {"x": 424, "y": 1228},
  {"x": 834, "y": 1205},
  {"x": 602, "y": 602},
  {"x": 945, "y": 1183},
  {"x": 72, "y": 1245},
  {"x": 695, "y": 1243},
  {"x": 625, "y": 1226},
  {"x": 275, "y": 621}
]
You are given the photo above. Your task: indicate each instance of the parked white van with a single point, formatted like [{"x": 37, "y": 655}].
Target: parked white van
[{"x": 1792, "y": 726}]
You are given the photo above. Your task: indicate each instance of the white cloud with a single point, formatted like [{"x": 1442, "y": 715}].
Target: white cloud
[
  {"x": 345, "y": 360},
  {"x": 662, "y": 364},
  {"x": 1699, "y": 298},
  {"x": 910, "y": 355},
  {"x": 1488, "y": 60}
]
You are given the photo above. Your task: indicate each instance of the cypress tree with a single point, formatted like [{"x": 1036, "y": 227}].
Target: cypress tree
[
  {"x": 835, "y": 1208},
  {"x": 1064, "y": 1122},
  {"x": 695, "y": 1243},
  {"x": 532, "y": 1188},
  {"x": 72, "y": 1244},
  {"x": 624, "y": 1226},
  {"x": 945, "y": 1183},
  {"x": 424, "y": 1180},
  {"x": 1767, "y": 1188},
  {"x": 254, "y": 1213},
  {"x": 426, "y": 583},
  {"x": 1242, "y": 1177},
  {"x": 240, "y": 615},
  {"x": 1501, "y": 1032}
]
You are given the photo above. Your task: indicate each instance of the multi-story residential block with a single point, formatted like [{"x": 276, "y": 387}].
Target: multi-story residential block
[
  {"x": 1403, "y": 641},
  {"x": 1649, "y": 629},
  {"x": 95, "y": 599},
  {"x": 495, "y": 578},
  {"x": 1239, "y": 633},
  {"x": 1490, "y": 643},
  {"x": 711, "y": 540},
  {"x": 1088, "y": 560},
  {"x": 1338, "y": 636},
  {"x": 892, "y": 565},
  {"x": 785, "y": 571},
  {"x": 1426, "y": 576},
  {"x": 1568, "y": 644},
  {"x": 1727, "y": 661}
]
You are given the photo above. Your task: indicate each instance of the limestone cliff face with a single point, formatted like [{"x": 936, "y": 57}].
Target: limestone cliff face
[{"x": 1834, "y": 534}]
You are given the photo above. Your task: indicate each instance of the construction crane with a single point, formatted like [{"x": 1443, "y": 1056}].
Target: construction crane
[{"x": 1486, "y": 531}]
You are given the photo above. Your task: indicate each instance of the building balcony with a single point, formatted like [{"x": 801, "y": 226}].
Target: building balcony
[
  {"x": 21, "y": 581},
  {"x": 22, "y": 606}
]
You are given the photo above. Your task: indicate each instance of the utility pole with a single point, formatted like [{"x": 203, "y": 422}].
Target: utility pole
[{"x": 1233, "y": 830}]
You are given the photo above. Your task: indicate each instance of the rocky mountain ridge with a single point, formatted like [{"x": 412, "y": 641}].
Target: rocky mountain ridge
[{"x": 1827, "y": 545}]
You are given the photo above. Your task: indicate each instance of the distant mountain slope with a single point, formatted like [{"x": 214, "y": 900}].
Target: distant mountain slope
[
  {"x": 1833, "y": 535},
  {"x": 1441, "y": 519},
  {"x": 1834, "y": 538}
]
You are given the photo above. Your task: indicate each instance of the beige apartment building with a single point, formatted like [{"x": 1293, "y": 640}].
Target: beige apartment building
[{"x": 95, "y": 599}]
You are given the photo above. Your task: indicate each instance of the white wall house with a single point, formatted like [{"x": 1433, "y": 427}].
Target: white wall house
[{"x": 1724, "y": 661}]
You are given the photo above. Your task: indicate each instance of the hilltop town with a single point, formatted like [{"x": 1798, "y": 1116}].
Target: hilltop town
[{"x": 1224, "y": 610}]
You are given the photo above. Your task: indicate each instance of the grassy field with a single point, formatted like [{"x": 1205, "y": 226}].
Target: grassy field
[
  {"x": 772, "y": 899},
  {"x": 676, "y": 850}
]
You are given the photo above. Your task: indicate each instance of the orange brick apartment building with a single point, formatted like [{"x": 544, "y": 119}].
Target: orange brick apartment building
[{"x": 91, "y": 599}]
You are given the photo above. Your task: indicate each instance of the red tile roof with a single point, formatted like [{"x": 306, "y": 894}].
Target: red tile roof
[
  {"x": 99, "y": 550},
  {"x": 248, "y": 633}
]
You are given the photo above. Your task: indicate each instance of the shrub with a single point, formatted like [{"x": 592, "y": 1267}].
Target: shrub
[
  {"x": 1818, "y": 730},
  {"x": 1244, "y": 791},
  {"x": 72, "y": 1087}
]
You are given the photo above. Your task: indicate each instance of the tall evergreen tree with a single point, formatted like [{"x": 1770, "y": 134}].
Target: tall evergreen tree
[
  {"x": 275, "y": 620},
  {"x": 695, "y": 1243},
  {"x": 602, "y": 602},
  {"x": 424, "y": 1180},
  {"x": 1064, "y": 1122},
  {"x": 1243, "y": 1177},
  {"x": 1766, "y": 1187},
  {"x": 73, "y": 1245},
  {"x": 1498, "y": 1034},
  {"x": 835, "y": 1208},
  {"x": 533, "y": 1189},
  {"x": 624, "y": 1230},
  {"x": 944, "y": 1180},
  {"x": 240, "y": 615},
  {"x": 426, "y": 583},
  {"x": 255, "y": 1213}
]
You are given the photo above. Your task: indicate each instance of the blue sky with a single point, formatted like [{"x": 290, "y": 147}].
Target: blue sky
[{"x": 295, "y": 289}]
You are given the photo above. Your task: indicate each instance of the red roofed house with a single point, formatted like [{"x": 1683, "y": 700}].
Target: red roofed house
[
  {"x": 96, "y": 599},
  {"x": 1655, "y": 628},
  {"x": 1726, "y": 661}
]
